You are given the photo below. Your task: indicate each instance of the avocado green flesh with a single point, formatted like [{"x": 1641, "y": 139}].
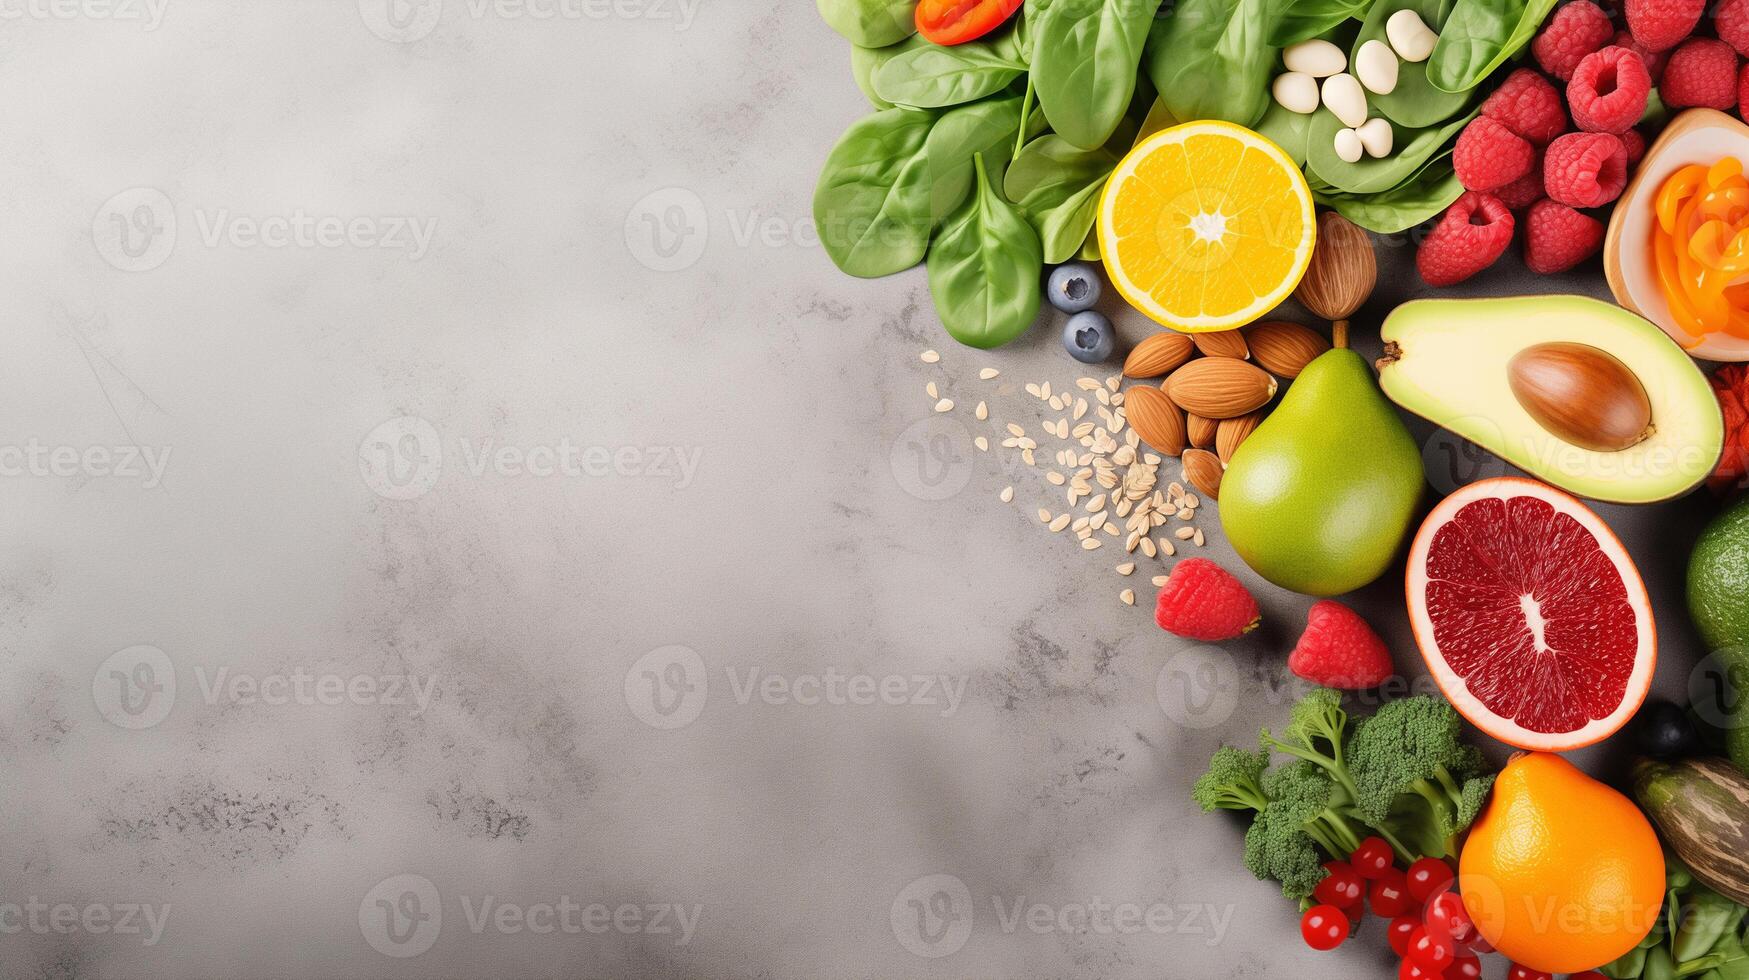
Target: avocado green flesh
[
  {"x": 1319, "y": 499},
  {"x": 1450, "y": 368}
]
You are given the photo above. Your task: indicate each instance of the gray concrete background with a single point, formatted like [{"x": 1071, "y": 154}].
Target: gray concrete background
[{"x": 339, "y": 679}]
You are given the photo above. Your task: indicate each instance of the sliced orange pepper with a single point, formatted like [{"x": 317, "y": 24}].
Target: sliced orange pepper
[
  {"x": 1677, "y": 189},
  {"x": 1723, "y": 170}
]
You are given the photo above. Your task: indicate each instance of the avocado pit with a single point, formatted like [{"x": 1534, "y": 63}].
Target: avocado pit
[{"x": 1582, "y": 394}]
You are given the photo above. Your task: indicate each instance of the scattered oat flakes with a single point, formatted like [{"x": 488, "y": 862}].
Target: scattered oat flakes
[
  {"x": 945, "y": 405},
  {"x": 930, "y": 357},
  {"x": 1044, "y": 516},
  {"x": 930, "y": 387},
  {"x": 1089, "y": 544},
  {"x": 1159, "y": 581},
  {"x": 1061, "y": 521},
  {"x": 988, "y": 373},
  {"x": 983, "y": 411},
  {"x": 1198, "y": 539},
  {"x": 1128, "y": 595},
  {"x": 982, "y": 443},
  {"x": 1007, "y": 494},
  {"x": 1126, "y": 568},
  {"x": 1054, "y": 478},
  {"x": 1184, "y": 533}
]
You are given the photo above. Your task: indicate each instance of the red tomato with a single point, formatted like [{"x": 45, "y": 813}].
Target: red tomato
[
  {"x": 1372, "y": 858},
  {"x": 1411, "y": 970},
  {"x": 1468, "y": 966},
  {"x": 1324, "y": 927},
  {"x": 959, "y": 21},
  {"x": 1526, "y": 973},
  {"x": 1342, "y": 888},
  {"x": 1399, "y": 931},
  {"x": 1390, "y": 894},
  {"x": 1446, "y": 914},
  {"x": 1477, "y": 944},
  {"x": 1427, "y": 876},
  {"x": 1431, "y": 949}
]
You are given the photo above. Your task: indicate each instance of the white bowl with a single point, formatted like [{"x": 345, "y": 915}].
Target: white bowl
[{"x": 1694, "y": 136}]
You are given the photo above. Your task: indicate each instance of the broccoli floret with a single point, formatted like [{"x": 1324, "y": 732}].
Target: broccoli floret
[
  {"x": 1233, "y": 781},
  {"x": 1411, "y": 748},
  {"x": 1315, "y": 732},
  {"x": 1322, "y": 805},
  {"x": 1278, "y": 847},
  {"x": 1473, "y": 798}
]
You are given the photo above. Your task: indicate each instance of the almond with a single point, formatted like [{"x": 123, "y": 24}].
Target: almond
[
  {"x": 1159, "y": 355},
  {"x": 1220, "y": 387},
  {"x": 1343, "y": 270},
  {"x": 1201, "y": 431},
  {"x": 1233, "y": 432},
  {"x": 1284, "y": 349},
  {"x": 1203, "y": 469},
  {"x": 1221, "y": 343},
  {"x": 1155, "y": 419}
]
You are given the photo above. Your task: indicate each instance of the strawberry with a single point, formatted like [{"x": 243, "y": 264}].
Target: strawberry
[{"x": 1338, "y": 649}]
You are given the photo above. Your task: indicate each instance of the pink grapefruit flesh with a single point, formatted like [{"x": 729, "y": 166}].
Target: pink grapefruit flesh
[{"x": 1530, "y": 614}]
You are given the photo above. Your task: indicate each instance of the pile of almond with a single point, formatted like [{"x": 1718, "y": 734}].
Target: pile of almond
[{"x": 1216, "y": 387}]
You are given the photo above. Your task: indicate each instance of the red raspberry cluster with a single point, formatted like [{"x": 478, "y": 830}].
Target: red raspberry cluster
[{"x": 1551, "y": 145}]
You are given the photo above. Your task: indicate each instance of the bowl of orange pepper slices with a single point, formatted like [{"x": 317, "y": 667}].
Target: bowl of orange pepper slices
[{"x": 1678, "y": 250}]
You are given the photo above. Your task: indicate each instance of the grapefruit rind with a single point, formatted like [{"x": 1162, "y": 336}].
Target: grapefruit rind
[{"x": 1454, "y": 687}]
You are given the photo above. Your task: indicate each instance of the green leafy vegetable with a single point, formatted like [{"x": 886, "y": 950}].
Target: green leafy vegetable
[
  {"x": 986, "y": 128},
  {"x": 1057, "y": 186},
  {"x": 1087, "y": 55},
  {"x": 864, "y": 62},
  {"x": 1286, "y": 129},
  {"x": 1371, "y": 175},
  {"x": 1407, "y": 758},
  {"x": 1303, "y": 20},
  {"x": 1417, "y": 199},
  {"x": 984, "y": 269},
  {"x": 872, "y": 205},
  {"x": 871, "y": 23},
  {"x": 1479, "y": 36},
  {"x": 1415, "y": 102},
  {"x": 1211, "y": 60},
  {"x": 926, "y": 75}
]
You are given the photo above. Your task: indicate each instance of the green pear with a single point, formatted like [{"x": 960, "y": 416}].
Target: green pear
[{"x": 1321, "y": 496}]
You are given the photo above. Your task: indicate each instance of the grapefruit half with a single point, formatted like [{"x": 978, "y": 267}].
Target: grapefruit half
[{"x": 1530, "y": 614}]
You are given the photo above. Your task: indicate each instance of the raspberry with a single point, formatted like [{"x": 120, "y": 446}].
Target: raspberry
[
  {"x": 1557, "y": 238},
  {"x": 1474, "y": 232},
  {"x": 1731, "y": 20},
  {"x": 1743, "y": 90},
  {"x": 1585, "y": 170},
  {"x": 1609, "y": 90},
  {"x": 1203, "y": 601},
  {"x": 1338, "y": 649},
  {"x": 1526, "y": 190},
  {"x": 1635, "y": 145},
  {"x": 1702, "y": 72},
  {"x": 1488, "y": 155},
  {"x": 1576, "y": 29},
  {"x": 1663, "y": 24},
  {"x": 1653, "y": 60},
  {"x": 1528, "y": 105}
]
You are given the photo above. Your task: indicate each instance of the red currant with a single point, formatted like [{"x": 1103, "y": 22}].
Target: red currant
[
  {"x": 1411, "y": 970},
  {"x": 1426, "y": 876},
  {"x": 1390, "y": 894},
  {"x": 1526, "y": 973},
  {"x": 1446, "y": 914},
  {"x": 1397, "y": 934},
  {"x": 1372, "y": 858},
  {"x": 1324, "y": 927},
  {"x": 1431, "y": 949},
  {"x": 1588, "y": 975},
  {"x": 1468, "y": 966},
  {"x": 1341, "y": 888}
]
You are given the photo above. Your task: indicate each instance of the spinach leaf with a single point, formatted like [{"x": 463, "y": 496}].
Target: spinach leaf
[
  {"x": 1088, "y": 55},
  {"x": 1402, "y": 207},
  {"x": 870, "y": 23},
  {"x": 1415, "y": 102},
  {"x": 1370, "y": 175},
  {"x": 1303, "y": 20},
  {"x": 1286, "y": 129},
  {"x": 984, "y": 269},
  {"x": 864, "y": 62},
  {"x": 1057, "y": 186},
  {"x": 926, "y": 75},
  {"x": 988, "y": 129},
  {"x": 1211, "y": 60},
  {"x": 1479, "y": 36},
  {"x": 872, "y": 205}
]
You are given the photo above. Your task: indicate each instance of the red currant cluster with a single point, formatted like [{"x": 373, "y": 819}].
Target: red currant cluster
[{"x": 1429, "y": 927}]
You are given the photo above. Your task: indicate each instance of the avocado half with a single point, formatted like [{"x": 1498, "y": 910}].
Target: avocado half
[{"x": 1446, "y": 361}]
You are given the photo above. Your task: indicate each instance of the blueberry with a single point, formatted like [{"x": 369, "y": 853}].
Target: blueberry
[
  {"x": 1074, "y": 287},
  {"x": 1089, "y": 337},
  {"x": 1663, "y": 730}
]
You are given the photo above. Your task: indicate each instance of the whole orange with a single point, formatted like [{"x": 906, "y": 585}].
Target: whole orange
[{"x": 1560, "y": 872}]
